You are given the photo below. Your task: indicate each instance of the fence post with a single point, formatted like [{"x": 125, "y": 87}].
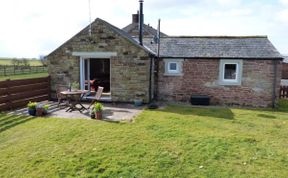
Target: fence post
[
  {"x": 4, "y": 67},
  {"x": 49, "y": 87},
  {"x": 9, "y": 103}
]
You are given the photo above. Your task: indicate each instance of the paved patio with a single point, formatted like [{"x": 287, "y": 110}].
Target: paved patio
[{"x": 112, "y": 112}]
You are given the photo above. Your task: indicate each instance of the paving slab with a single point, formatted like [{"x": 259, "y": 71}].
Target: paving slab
[{"x": 112, "y": 112}]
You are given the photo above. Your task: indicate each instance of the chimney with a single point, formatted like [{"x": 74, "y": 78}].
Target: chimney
[
  {"x": 135, "y": 18},
  {"x": 141, "y": 21}
]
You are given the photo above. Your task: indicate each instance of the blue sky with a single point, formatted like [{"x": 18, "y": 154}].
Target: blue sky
[{"x": 36, "y": 27}]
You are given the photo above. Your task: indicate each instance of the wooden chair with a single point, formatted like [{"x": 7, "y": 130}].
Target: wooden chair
[
  {"x": 60, "y": 96},
  {"x": 97, "y": 96}
]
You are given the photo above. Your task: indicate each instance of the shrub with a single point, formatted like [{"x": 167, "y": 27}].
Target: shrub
[{"x": 283, "y": 105}]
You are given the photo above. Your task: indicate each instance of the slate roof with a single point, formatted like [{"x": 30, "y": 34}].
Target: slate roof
[
  {"x": 132, "y": 29},
  {"x": 244, "y": 47},
  {"x": 285, "y": 60},
  {"x": 256, "y": 47},
  {"x": 111, "y": 27}
]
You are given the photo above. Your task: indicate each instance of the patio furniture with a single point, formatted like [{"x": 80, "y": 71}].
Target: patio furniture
[
  {"x": 97, "y": 96},
  {"x": 74, "y": 99},
  {"x": 59, "y": 95}
]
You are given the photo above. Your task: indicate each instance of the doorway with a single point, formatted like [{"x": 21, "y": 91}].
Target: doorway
[{"x": 97, "y": 73}]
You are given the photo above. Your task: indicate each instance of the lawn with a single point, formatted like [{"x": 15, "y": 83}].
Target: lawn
[
  {"x": 177, "y": 141},
  {"x": 24, "y": 76}
]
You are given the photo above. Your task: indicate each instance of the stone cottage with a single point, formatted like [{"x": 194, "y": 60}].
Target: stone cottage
[{"x": 230, "y": 70}]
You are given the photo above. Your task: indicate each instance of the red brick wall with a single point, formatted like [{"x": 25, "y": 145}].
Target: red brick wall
[
  {"x": 285, "y": 71},
  {"x": 200, "y": 77}
]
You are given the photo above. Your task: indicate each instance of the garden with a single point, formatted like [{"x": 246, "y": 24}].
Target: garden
[{"x": 176, "y": 141}]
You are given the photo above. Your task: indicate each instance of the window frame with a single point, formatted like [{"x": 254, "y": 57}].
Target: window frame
[
  {"x": 179, "y": 65},
  {"x": 238, "y": 78},
  {"x": 172, "y": 70}
]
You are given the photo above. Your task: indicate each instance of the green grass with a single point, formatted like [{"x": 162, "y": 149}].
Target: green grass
[
  {"x": 24, "y": 76},
  {"x": 173, "y": 142},
  {"x": 32, "y": 62}
]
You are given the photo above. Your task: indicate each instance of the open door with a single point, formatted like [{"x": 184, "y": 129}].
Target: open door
[{"x": 99, "y": 73}]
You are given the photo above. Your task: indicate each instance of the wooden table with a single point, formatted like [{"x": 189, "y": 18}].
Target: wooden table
[{"x": 74, "y": 98}]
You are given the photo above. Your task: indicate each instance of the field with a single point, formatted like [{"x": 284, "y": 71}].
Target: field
[
  {"x": 24, "y": 76},
  {"x": 32, "y": 62},
  {"x": 7, "y": 71},
  {"x": 178, "y": 141}
]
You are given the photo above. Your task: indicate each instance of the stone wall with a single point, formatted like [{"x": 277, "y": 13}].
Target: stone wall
[
  {"x": 129, "y": 69},
  {"x": 200, "y": 77}
]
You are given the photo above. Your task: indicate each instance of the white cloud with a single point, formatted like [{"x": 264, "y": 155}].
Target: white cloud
[
  {"x": 283, "y": 16},
  {"x": 285, "y": 2},
  {"x": 229, "y": 2},
  {"x": 34, "y": 27}
]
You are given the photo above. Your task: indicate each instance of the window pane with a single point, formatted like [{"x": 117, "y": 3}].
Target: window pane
[
  {"x": 230, "y": 71},
  {"x": 172, "y": 66}
]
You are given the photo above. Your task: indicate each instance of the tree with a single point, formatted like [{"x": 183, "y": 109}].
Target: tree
[
  {"x": 25, "y": 62},
  {"x": 14, "y": 62},
  {"x": 43, "y": 60}
]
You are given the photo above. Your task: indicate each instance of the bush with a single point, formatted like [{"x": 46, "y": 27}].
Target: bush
[{"x": 283, "y": 105}]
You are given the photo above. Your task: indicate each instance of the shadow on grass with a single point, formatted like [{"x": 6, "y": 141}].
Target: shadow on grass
[
  {"x": 267, "y": 116},
  {"x": 222, "y": 113},
  {"x": 9, "y": 121}
]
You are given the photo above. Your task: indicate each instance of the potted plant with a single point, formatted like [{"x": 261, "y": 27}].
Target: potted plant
[
  {"x": 92, "y": 114},
  {"x": 97, "y": 110},
  {"x": 46, "y": 107},
  {"x": 75, "y": 86},
  {"x": 138, "y": 101},
  {"x": 32, "y": 108},
  {"x": 41, "y": 109}
]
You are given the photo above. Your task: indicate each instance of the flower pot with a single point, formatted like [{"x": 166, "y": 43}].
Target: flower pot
[
  {"x": 138, "y": 102},
  {"x": 40, "y": 112},
  {"x": 92, "y": 115},
  {"x": 45, "y": 112},
  {"x": 99, "y": 115},
  {"x": 32, "y": 112}
]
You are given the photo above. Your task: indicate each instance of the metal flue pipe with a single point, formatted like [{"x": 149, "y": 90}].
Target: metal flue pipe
[{"x": 141, "y": 21}]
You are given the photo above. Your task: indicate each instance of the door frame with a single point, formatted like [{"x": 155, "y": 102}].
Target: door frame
[{"x": 87, "y": 56}]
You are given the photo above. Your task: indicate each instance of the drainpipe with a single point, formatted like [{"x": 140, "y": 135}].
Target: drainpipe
[
  {"x": 274, "y": 95},
  {"x": 150, "y": 79},
  {"x": 141, "y": 21}
]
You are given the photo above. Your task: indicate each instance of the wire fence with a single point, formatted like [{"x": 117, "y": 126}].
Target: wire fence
[{"x": 8, "y": 70}]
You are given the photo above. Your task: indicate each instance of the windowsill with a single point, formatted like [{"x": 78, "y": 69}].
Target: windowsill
[
  {"x": 171, "y": 74},
  {"x": 226, "y": 83}
]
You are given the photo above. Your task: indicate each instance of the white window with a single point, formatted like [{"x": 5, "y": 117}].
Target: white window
[
  {"x": 173, "y": 67},
  {"x": 230, "y": 72}
]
